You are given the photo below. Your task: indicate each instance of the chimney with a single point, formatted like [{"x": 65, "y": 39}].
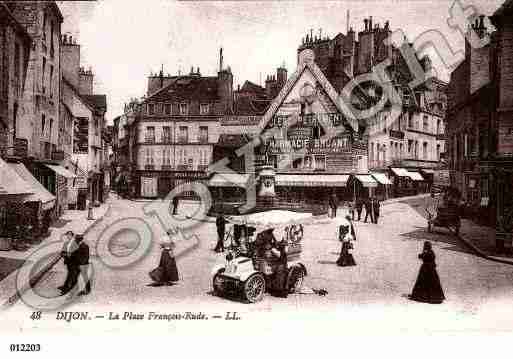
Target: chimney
[
  {"x": 366, "y": 24},
  {"x": 370, "y": 23},
  {"x": 220, "y": 59}
]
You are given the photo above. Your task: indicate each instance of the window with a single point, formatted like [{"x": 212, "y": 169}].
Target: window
[
  {"x": 51, "y": 39},
  {"x": 14, "y": 120},
  {"x": 151, "y": 109},
  {"x": 204, "y": 109},
  {"x": 51, "y": 127},
  {"x": 167, "y": 109},
  {"x": 166, "y": 157},
  {"x": 320, "y": 163},
  {"x": 51, "y": 80},
  {"x": 150, "y": 134},
  {"x": 203, "y": 134},
  {"x": 438, "y": 152},
  {"x": 44, "y": 27},
  {"x": 183, "y": 109},
  {"x": 183, "y": 136},
  {"x": 166, "y": 134},
  {"x": 149, "y": 156},
  {"x": 438, "y": 129},
  {"x": 425, "y": 150},
  {"x": 410, "y": 119},
  {"x": 43, "y": 125},
  {"x": 416, "y": 149},
  {"x": 17, "y": 75},
  {"x": 425, "y": 125},
  {"x": 96, "y": 127},
  {"x": 43, "y": 76},
  {"x": 410, "y": 147}
]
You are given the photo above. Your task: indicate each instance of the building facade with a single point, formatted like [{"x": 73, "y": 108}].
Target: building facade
[
  {"x": 176, "y": 129},
  {"x": 479, "y": 124}
]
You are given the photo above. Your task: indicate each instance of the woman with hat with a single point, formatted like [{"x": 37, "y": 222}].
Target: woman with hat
[
  {"x": 428, "y": 288},
  {"x": 346, "y": 257},
  {"x": 167, "y": 272}
]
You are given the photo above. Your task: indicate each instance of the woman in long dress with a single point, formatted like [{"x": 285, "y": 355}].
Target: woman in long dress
[
  {"x": 166, "y": 272},
  {"x": 346, "y": 257},
  {"x": 428, "y": 288}
]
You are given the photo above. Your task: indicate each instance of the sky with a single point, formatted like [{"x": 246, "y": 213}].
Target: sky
[{"x": 123, "y": 41}]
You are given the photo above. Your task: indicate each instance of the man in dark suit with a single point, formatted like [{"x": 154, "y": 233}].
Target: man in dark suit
[
  {"x": 359, "y": 208},
  {"x": 220, "y": 224},
  {"x": 175, "y": 205},
  {"x": 368, "y": 211},
  {"x": 375, "y": 206},
  {"x": 76, "y": 256},
  {"x": 333, "y": 201}
]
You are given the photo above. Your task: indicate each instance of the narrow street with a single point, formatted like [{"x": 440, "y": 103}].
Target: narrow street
[{"x": 387, "y": 266}]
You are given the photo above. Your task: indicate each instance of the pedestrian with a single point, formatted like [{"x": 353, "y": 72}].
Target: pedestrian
[
  {"x": 350, "y": 208},
  {"x": 76, "y": 259},
  {"x": 175, "y": 205},
  {"x": 346, "y": 257},
  {"x": 333, "y": 202},
  {"x": 368, "y": 210},
  {"x": 359, "y": 208},
  {"x": 220, "y": 225},
  {"x": 167, "y": 272},
  {"x": 428, "y": 288},
  {"x": 279, "y": 252},
  {"x": 353, "y": 232},
  {"x": 375, "y": 208}
]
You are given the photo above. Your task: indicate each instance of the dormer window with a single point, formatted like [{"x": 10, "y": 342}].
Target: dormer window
[
  {"x": 151, "y": 109},
  {"x": 183, "y": 109}
]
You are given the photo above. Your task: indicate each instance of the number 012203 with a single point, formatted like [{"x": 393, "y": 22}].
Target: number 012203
[{"x": 25, "y": 347}]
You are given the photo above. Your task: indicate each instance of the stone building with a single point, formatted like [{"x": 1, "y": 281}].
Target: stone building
[
  {"x": 176, "y": 128},
  {"x": 85, "y": 112},
  {"x": 413, "y": 141},
  {"x": 479, "y": 124},
  {"x": 306, "y": 149},
  {"x": 15, "y": 43}
]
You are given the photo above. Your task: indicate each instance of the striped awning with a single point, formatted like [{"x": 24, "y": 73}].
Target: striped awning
[
  {"x": 10, "y": 181},
  {"x": 381, "y": 178},
  {"x": 367, "y": 180},
  {"x": 61, "y": 171},
  {"x": 229, "y": 180},
  {"x": 415, "y": 176},
  {"x": 40, "y": 193},
  {"x": 311, "y": 180},
  {"x": 400, "y": 172}
]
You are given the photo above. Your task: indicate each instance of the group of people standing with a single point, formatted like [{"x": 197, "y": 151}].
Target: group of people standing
[{"x": 372, "y": 209}]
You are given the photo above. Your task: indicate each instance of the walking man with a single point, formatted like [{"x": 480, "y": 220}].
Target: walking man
[
  {"x": 76, "y": 259},
  {"x": 375, "y": 206},
  {"x": 368, "y": 210},
  {"x": 221, "y": 225},
  {"x": 359, "y": 208},
  {"x": 175, "y": 205},
  {"x": 333, "y": 204}
]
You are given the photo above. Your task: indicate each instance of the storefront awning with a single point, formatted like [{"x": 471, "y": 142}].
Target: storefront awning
[
  {"x": 428, "y": 170},
  {"x": 40, "y": 193},
  {"x": 381, "y": 178},
  {"x": 229, "y": 180},
  {"x": 11, "y": 183},
  {"x": 367, "y": 180},
  {"x": 307, "y": 180},
  {"x": 61, "y": 171},
  {"x": 400, "y": 172},
  {"x": 415, "y": 176}
]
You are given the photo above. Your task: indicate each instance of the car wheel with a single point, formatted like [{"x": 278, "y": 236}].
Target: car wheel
[
  {"x": 295, "y": 280},
  {"x": 254, "y": 288},
  {"x": 217, "y": 284}
]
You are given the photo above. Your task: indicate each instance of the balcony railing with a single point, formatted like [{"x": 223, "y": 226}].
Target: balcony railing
[
  {"x": 183, "y": 168},
  {"x": 149, "y": 167},
  {"x": 149, "y": 140},
  {"x": 167, "y": 167}
]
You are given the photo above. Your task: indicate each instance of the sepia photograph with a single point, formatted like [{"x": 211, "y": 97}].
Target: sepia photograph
[{"x": 247, "y": 168}]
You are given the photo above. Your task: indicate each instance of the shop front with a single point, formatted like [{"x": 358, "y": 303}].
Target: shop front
[{"x": 158, "y": 184}]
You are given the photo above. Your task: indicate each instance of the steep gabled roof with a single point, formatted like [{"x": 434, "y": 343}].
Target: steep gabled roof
[
  {"x": 505, "y": 9},
  {"x": 326, "y": 85},
  {"x": 77, "y": 94},
  {"x": 249, "y": 86},
  {"x": 99, "y": 102},
  {"x": 248, "y": 106},
  {"x": 187, "y": 88}
]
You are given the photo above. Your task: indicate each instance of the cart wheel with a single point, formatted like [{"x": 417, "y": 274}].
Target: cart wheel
[
  {"x": 217, "y": 284},
  {"x": 254, "y": 288},
  {"x": 295, "y": 280}
]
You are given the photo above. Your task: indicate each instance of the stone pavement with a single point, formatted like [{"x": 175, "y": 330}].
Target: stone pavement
[{"x": 71, "y": 220}]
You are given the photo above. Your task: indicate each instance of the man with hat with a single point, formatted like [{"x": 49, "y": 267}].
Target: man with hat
[{"x": 76, "y": 258}]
